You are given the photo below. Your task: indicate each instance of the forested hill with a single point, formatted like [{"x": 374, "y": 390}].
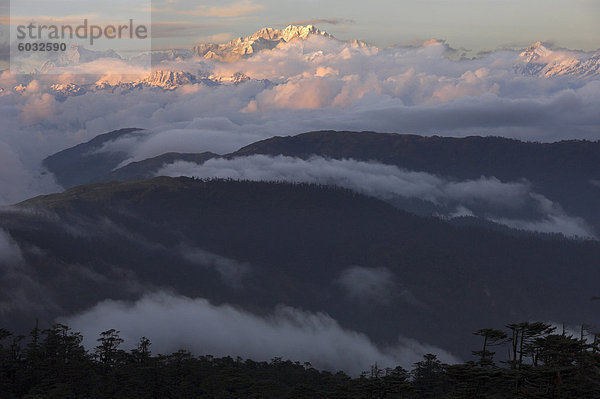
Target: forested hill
[
  {"x": 465, "y": 158},
  {"x": 565, "y": 172},
  {"x": 293, "y": 242}
]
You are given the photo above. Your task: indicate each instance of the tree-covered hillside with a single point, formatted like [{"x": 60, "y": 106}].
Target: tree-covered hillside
[{"x": 289, "y": 244}]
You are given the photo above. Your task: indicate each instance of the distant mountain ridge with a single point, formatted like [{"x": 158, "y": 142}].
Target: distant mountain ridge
[
  {"x": 167, "y": 73},
  {"x": 554, "y": 170},
  {"x": 538, "y": 60},
  {"x": 84, "y": 162},
  {"x": 465, "y": 158},
  {"x": 76, "y": 55},
  {"x": 468, "y": 157},
  {"x": 159, "y": 79}
]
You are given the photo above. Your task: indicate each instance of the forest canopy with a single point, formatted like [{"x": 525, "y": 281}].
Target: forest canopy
[{"x": 53, "y": 363}]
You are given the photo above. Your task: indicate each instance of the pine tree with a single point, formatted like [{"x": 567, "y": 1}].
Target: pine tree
[{"x": 491, "y": 338}]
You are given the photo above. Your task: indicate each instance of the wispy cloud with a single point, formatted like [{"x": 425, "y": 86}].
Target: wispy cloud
[
  {"x": 216, "y": 38},
  {"x": 367, "y": 284},
  {"x": 63, "y": 20},
  {"x": 321, "y": 21},
  {"x": 237, "y": 9},
  {"x": 168, "y": 29},
  {"x": 231, "y": 271}
]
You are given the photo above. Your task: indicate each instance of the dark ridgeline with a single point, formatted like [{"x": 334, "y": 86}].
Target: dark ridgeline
[
  {"x": 463, "y": 158},
  {"x": 52, "y": 363},
  {"x": 297, "y": 240},
  {"x": 82, "y": 163},
  {"x": 564, "y": 171},
  {"x": 148, "y": 168}
]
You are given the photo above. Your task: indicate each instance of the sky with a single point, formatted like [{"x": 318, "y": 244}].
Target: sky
[
  {"x": 478, "y": 25},
  {"x": 472, "y": 24}
]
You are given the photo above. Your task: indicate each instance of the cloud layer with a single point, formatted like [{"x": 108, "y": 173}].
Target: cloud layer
[
  {"x": 314, "y": 84},
  {"x": 175, "y": 322}
]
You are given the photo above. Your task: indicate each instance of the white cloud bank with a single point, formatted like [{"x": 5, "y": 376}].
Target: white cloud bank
[{"x": 176, "y": 322}]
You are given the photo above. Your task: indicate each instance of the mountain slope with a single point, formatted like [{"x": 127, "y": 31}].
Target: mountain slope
[
  {"x": 148, "y": 168},
  {"x": 564, "y": 171},
  {"x": 538, "y": 60},
  {"x": 84, "y": 162},
  {"x": 290, "y": 244},
  {"x": 465, "y": 158}
]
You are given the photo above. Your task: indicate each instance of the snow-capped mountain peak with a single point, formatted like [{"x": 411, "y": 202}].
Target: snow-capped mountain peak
[
  {"x": 535, "y": 52},
  {"x": 264, "y": 39},
  {"x": 538, "y": 60},
  {"x": 301, "y": 32},
  {"x": 67, "y": 89},
  {"x": 168, "y": 79}
]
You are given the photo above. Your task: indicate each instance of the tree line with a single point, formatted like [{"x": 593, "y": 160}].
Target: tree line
[{"x": 52, "y": 363}]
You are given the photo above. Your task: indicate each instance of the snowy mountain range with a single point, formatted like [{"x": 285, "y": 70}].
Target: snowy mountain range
[
  {"x": 264, "y": 39},
  {"x": 179, "y": 67},
  {"x": 538, "y": 60},
  {"x": 160, "y": 79},
  {"x": 169, "y": 80}
]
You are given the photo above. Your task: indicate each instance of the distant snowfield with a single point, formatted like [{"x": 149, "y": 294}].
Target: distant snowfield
[{"x": 310, "y": 81}]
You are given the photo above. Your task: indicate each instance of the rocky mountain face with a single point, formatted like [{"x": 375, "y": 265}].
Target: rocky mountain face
[
  {"x": 169, "y": 80},
  {"x": 159, "y": 79},
  {"x": 63, "y": 90},
  {"x": 538, "y": 60},
  {"x": 264, "y": 39}
]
